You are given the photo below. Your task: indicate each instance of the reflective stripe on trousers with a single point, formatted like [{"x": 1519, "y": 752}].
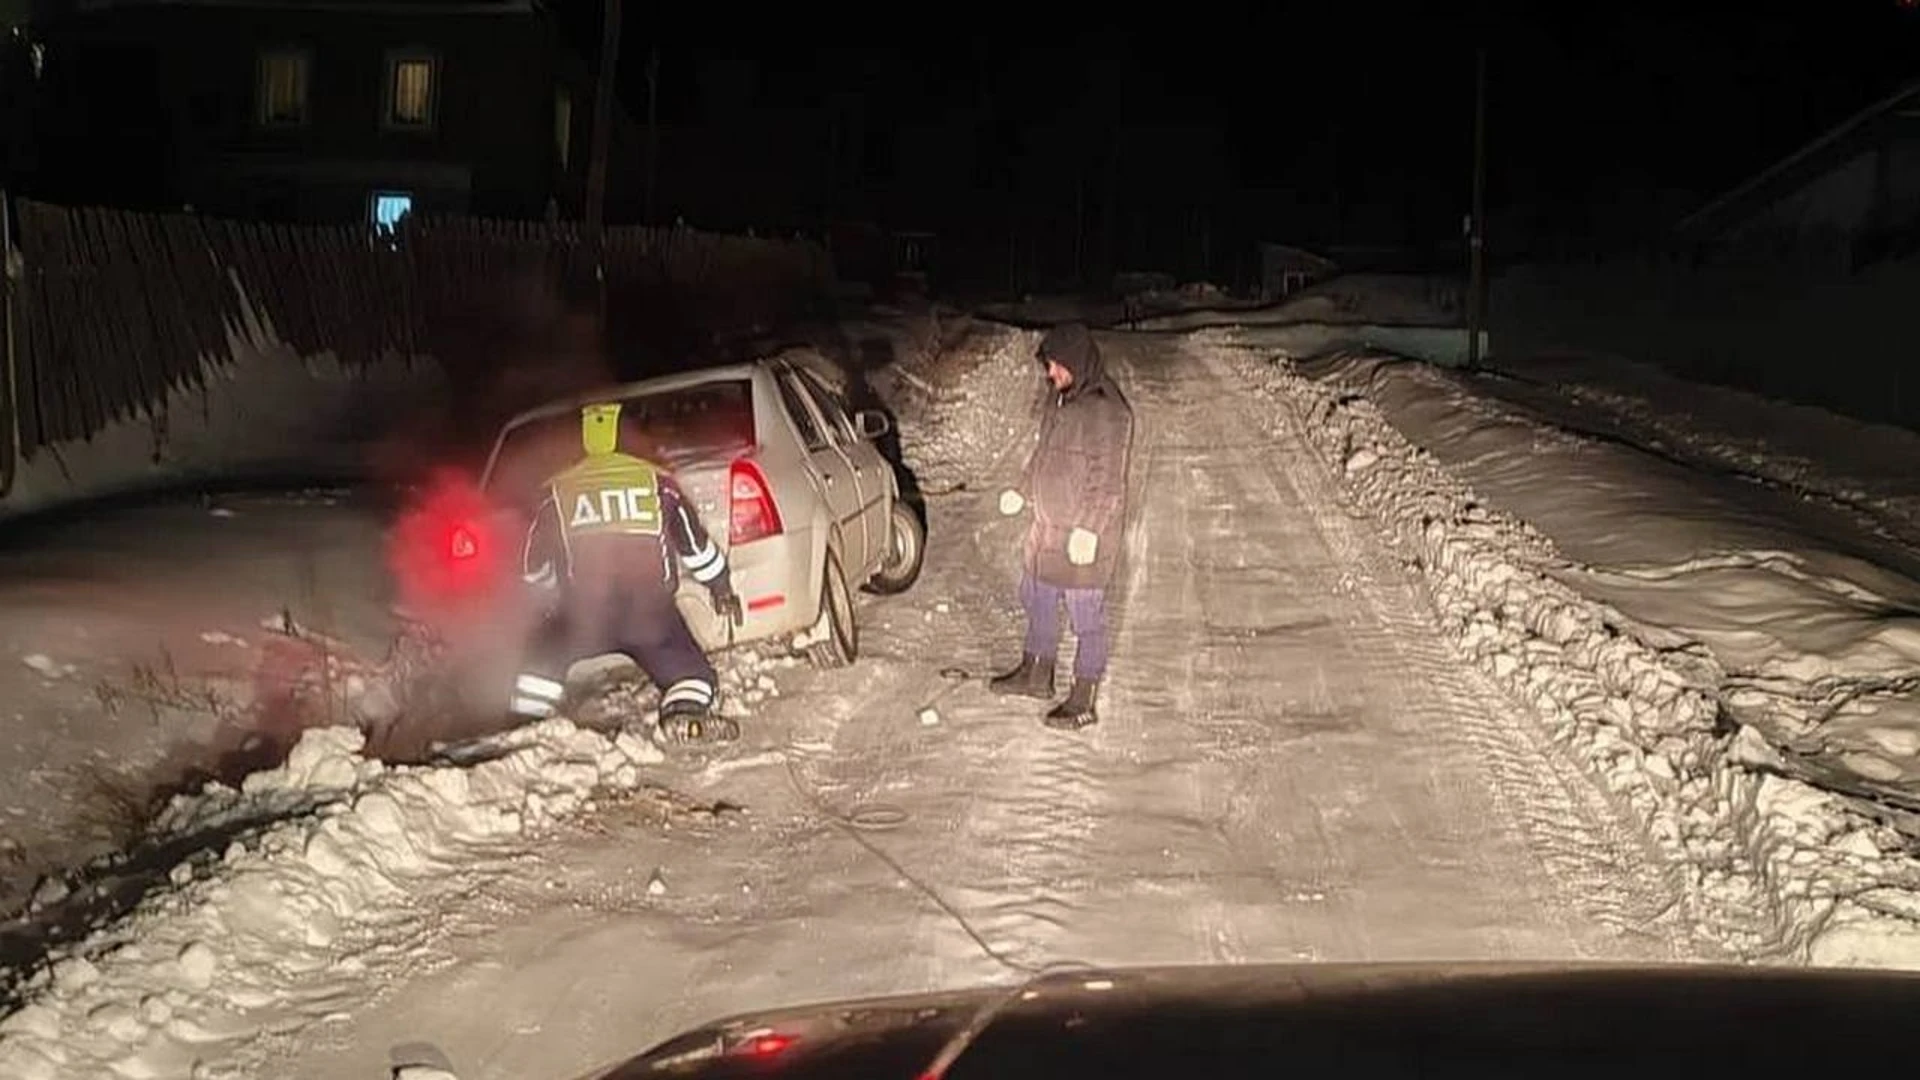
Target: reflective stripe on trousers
[{"x": 536, "y": 696}]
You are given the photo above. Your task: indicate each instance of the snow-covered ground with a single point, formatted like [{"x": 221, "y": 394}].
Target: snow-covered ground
[
  {"x": 1294, "y": 765},
  {"x": 131, "y": 637},
  {"x": 1808, "y": 450},
  {"x": 132, "y": 644},
  {"x": 1401, "y": 300}
]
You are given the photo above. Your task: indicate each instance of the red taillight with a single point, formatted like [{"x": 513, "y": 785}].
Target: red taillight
[
  {"x": 462, "y": 544},
  {"x": 446, "y": 549},
  {"x": 768, "y": 1045},
  {"x": 751, "y": 513}
]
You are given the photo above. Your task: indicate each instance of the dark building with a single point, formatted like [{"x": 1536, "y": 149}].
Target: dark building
[
  {"x": 308, "y": 110},
  {"x": 1850, "y": 197}
]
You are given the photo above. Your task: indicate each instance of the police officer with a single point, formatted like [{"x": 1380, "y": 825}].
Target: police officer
[{"x": 604, "y": 540}]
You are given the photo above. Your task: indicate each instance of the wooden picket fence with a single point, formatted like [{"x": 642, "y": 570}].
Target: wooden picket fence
[{"x": 111, "y": 310}]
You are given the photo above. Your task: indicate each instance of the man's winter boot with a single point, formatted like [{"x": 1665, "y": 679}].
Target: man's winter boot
[
  {"x": 1033, "y": 678},
  {"x": 1077, "y": 711}
]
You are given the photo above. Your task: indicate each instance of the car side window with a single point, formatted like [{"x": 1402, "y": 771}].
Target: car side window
[
  {"x": 832, "y": 405},
  {"x": 795, "y": 400}
]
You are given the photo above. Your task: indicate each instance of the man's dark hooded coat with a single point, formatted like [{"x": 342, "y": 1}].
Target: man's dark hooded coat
[{"x": 1077, "y": 477}]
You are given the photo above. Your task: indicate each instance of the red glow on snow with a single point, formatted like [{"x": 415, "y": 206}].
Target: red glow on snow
[{"x": 443, "y": 551}]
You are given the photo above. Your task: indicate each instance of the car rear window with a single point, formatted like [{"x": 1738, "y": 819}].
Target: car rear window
[{"x": 673, "y": 427}]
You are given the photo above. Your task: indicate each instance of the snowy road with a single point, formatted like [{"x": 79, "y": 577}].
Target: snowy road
[{"x": 1293, "y": 765}]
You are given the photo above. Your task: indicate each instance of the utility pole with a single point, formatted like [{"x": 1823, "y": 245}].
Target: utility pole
[
  {"x": 653, "y": 129},
  {"x": 602, "y": 140},
  {"x": 1477, "y": 224},
  {"x": 1079, "y": 226},
  {"x": 10, "y": 273}
]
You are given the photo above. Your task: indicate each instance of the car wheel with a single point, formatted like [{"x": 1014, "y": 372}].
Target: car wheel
[
  {"x": 841, "y": 642},
  {"x": 906, "y": 552}
]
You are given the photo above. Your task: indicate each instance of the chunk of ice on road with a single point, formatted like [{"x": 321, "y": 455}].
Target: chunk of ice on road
[{"x": 47, "y": 666}]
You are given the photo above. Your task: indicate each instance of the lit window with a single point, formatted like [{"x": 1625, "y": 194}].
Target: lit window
[
  {"x": 283, "y": 87},
  {"x": 388, "y": 208},
  {"x": 410, "y": 90},
  {"x": 563, "y": 126}
]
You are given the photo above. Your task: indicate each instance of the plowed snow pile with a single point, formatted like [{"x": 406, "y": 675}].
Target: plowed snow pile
[
  {"x": 1804, "y": 608},
  {"x": 1775, "y": 867},
  {"x": 326, "y": 898},
  {"x": 987, "y": 377}
]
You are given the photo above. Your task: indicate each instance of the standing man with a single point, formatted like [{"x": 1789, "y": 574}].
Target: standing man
[
  {"x": 605, "y": 539},
  {"x": 1076, "y": 482}
]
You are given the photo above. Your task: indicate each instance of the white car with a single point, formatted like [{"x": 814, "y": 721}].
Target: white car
[{"x": 783, "y": 474}]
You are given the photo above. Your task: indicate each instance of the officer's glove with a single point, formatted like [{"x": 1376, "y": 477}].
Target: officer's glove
[
  {"x": 1012, "y": 502},
  {"x": 726, "y": 604},
  {"x": 1081, "y": 547}
]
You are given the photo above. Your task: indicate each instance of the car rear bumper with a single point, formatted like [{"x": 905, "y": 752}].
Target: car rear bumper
[{"x": 777, "y": 587}]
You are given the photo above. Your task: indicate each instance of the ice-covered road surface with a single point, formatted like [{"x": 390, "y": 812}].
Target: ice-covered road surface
[{"x": 1294, "y": 765}]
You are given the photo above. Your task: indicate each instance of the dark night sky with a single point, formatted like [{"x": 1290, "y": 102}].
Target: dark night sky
[{"x": 1591, "y": 103}]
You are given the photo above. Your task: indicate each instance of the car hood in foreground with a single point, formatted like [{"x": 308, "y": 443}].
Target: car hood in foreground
[{"x": 1363, "y": 1019}]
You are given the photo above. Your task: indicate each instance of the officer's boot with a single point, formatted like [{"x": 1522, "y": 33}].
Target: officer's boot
[
  {"x": 1033, "y": 678},
  {"x": 1077, "y": 711},
  {"x": 685, "y": 722}
]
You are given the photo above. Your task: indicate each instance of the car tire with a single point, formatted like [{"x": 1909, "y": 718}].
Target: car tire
[
  {"x": 906, "y": 552},
  {"x": 842, "y": 641}
]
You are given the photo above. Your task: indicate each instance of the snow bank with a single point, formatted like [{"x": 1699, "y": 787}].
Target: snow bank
[
  {"x": 1773, "y": 867},
  {"x": 1807, "y": 609},
  {"x": 268, "y": 413},
  {"x": 963, "y": 408},
  {"x": 285, "y": 921},
  {"x": 338, "y": 862},
  {"x": 1864, "y": 466},
  {"x": 1383, "y": 300}
]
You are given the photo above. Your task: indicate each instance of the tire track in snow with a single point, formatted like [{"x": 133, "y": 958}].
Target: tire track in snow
[
  {"x": 1040, "y": 817},
  {"x": 1032, "y": 797},
  {"x": 1145, "y": 710},
  {"x": 1584, "y": 838}
]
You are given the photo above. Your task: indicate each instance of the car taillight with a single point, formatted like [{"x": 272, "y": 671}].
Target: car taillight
[
  {"x": 446, "y": 549},
  {"x": 463, "y": 544},
  {"x": 751, "y": 512},
  {"x": 769, "y": 1044}
]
